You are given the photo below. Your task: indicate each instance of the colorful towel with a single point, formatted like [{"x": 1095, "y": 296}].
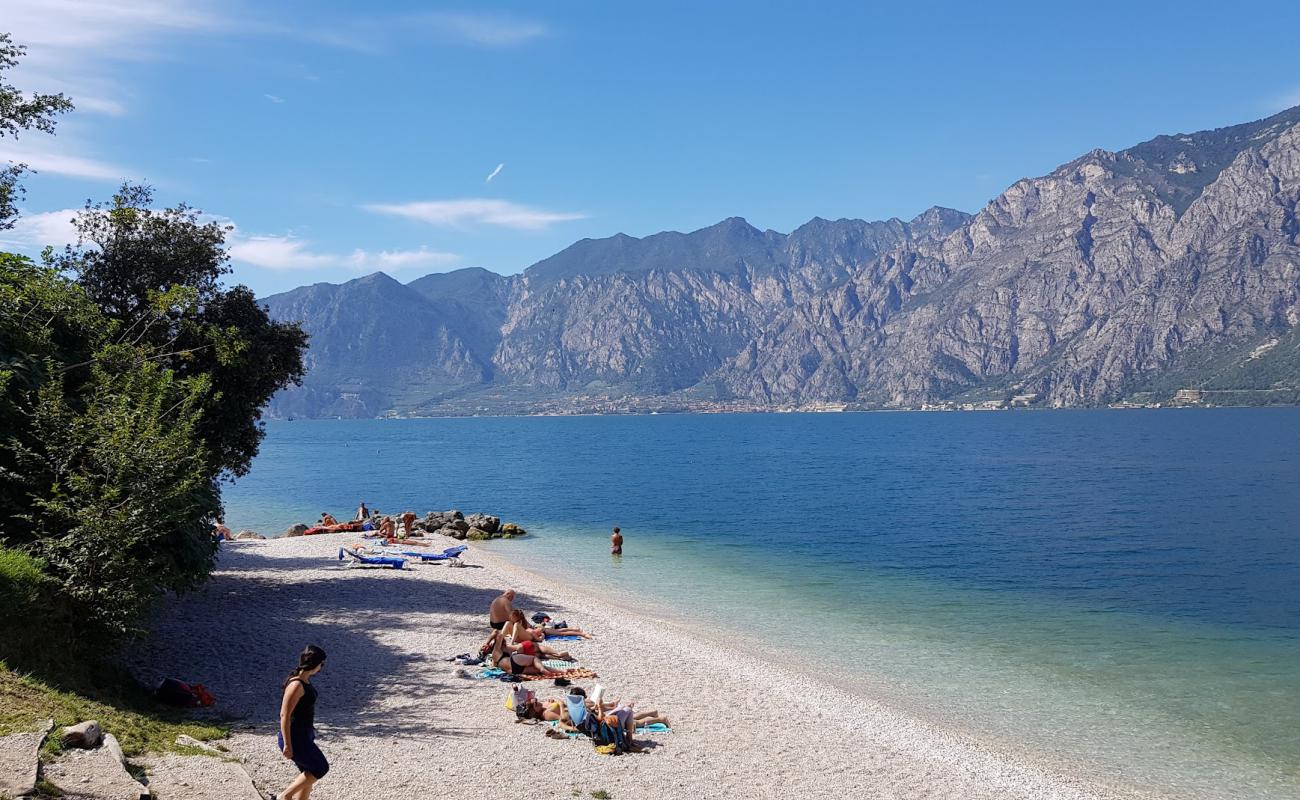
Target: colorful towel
[
  {"x": 654, "y": 727},
  {"x": 557, "y": 664},
  {"x": 490, "y": 672},
  {"x": 563, "y": 638},
  {"x": 577, "y": 673}
]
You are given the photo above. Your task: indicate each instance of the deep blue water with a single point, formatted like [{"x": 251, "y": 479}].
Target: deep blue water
[{"x": 1116, "y": 591}]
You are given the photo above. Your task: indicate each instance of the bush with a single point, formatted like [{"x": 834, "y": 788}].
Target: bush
[{"x": 33, "y": 615}]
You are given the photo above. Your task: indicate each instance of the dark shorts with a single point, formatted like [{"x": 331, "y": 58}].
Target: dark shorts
[
  {"x": 306, "y": 755},
  {"x": 496, "y": 626}
]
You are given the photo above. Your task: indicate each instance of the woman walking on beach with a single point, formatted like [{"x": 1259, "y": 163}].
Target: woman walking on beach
[{"x": 298, "y": 725}]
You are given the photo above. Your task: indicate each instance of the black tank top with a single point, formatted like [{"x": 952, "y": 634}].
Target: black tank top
[{"x": 304, "y": 714}]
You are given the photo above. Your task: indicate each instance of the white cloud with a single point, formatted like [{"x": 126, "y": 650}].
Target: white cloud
[
  {"x": 40, "y": 156},
  {"x": 461, "y": 213},
  {"x": 71, "y": 42},
  {"x": 496, "y": 172},
  {"x": 32, "y": 232},
  {"x": 401, "y": 259},
  {"x": 274, "y": 98},
  {"x": 488, "y": 29},
  {"x": 292, "y": 253},
  {"x": 278, "y": 252}
]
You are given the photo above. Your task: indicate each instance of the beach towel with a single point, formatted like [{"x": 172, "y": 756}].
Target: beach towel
[
  {"x": 551, "y": 638},
  {"x": 654, "y": 727},
  {"x": 571, "y": 674},
  {"x": 490, "y": 672},
  {"x": 558, "y": 665}
]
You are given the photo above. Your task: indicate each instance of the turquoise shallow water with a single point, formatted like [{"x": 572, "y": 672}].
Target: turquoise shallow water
[{"x": 1115, "y": 592}]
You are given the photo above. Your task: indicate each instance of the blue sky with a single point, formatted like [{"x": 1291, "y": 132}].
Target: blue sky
[{"x": 342, "y": 138}]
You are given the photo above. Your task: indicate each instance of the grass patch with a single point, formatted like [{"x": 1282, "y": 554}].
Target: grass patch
[{"x": 122, "y": 707}]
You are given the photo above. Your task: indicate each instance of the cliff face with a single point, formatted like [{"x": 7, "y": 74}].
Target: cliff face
[
  {"x": 1078, "y": 287},
  {"x": 1075, "y": 286}
]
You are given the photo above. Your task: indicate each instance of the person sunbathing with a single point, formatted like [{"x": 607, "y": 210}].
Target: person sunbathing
[
  {"x": 387, "y": 529},
  {"x": 612, "y": 713},
  {"x": 408, "y": 522},
  {"x": 516, "y": 632},
  {"x": 327, "y": 519},
  {"x": 525, "y": 630}
]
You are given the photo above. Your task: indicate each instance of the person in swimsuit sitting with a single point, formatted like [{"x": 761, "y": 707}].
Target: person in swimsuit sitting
[
  {"x": 297, "y": 725},
  {"x": 363, "y": 513},
  {"x": 521, "y": 660},
  {"x": 387, "y": 529},
  {"x": 327, "y": 519}
]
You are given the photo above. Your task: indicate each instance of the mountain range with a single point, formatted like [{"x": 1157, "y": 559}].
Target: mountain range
[{"x": 1170, "y": 269}]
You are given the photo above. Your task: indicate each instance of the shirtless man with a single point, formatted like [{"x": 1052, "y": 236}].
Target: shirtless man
[
  {"x": 616, "y": 542},
  {"x": 498, "y": 616},
  {"x": 408, "y": 522},
  {"x": 502, "y": 609},
  {"x": 387, "y": 529}
]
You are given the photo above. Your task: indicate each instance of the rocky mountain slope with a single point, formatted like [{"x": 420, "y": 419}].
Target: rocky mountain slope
[{"x": 1081, "y": 287}]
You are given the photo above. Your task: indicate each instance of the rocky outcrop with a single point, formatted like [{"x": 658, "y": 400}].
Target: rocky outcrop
[
  {"x": 20, "y": 761},
  {"x": 297, "y": 529},
  {"x": 198, "y": 778},
  {"x": 246, "y": 535},
  {"x": 93, "y": 775},
  {"x": 1072, "y": 287}
]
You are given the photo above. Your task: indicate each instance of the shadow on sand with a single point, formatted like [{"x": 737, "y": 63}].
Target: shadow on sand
[{"x": 241, "y": 634}]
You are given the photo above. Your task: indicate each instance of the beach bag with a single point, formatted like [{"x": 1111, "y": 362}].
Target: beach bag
[
  {"x": 519, "y": 700},
  {"x": 183, "y": 695},
  {"x": 608, "y": 739}
]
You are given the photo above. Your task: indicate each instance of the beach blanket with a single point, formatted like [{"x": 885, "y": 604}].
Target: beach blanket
[
  {"x": 577, "y": 673},
  {"x": 654, "y": 727},
  {"x": 342, "y": 527}
]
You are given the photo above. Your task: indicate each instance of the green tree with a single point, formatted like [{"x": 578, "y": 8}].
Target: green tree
[
  {"x": 130, "y": 254},
  {"x": 126, "y": 395},
  {"x": 20, "y": 113}
]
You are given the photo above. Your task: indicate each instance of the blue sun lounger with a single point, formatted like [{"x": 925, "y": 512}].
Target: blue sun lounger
[
  {"x": 450, "y": 554},
  {"x": 372, "y": 561}
]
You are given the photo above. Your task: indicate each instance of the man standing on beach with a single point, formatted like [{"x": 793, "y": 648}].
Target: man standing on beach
[{"x": 616, "y": 542}]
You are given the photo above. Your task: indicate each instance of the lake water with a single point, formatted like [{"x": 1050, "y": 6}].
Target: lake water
[{"x": 1116, "y": 592}]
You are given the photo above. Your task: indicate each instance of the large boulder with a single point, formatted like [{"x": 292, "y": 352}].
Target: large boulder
[
  {"x": 511, "y": 530},
  {"x": 295, "y": 530},
  {"x": 432, "y": 521},
  {"x": 477, "y": 535},
  {"x": 248, "y": 535},
  {"x": 85, "y": 735},
  {"x": 454, "y": 533},
  {"x": 457, "y": 524},
  {"x": 485, "y": 522},
  {"x": 453, "y": 514}
]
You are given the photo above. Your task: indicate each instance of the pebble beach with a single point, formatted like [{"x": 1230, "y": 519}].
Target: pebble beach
[{"x": 397, "y": 719}]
